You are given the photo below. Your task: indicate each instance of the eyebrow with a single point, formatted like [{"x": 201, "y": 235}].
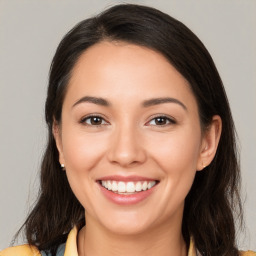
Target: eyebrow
[
  {"x": 146, "y": 103},
  {"x": 95, "y": 100},
  {"x": 157, "y": 101}
]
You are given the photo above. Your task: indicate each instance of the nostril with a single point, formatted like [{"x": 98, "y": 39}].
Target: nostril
[{"x": 127, "y": 158}]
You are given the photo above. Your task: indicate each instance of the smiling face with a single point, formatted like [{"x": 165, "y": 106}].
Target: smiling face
[{"x": 130, "y": 138}]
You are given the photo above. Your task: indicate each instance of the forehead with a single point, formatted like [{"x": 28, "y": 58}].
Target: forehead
[
  {"x": 125, "y": 57},
  {"x": 119, "y": 70}
]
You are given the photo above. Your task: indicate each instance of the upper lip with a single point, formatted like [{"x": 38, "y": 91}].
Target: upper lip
[{"x": 126, "y": 178}]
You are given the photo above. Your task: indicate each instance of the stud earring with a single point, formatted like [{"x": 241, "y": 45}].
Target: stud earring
[{"x": 62, "y": 166}]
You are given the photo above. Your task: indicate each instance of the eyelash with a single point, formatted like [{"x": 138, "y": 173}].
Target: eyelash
[
  {"x": 166, "y": 118},
  {"x": 84, "y": 119}
]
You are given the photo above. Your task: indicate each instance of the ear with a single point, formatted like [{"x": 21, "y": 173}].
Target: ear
[
  {"x": 56, "y": 131},
  {"x": 209, "y": 143}
]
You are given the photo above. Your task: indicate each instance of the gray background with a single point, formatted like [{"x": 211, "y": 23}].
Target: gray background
[{"x": 30, "y": 31}]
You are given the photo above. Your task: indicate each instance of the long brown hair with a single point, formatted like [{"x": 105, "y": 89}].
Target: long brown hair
[{"x": 214, "y": 196}]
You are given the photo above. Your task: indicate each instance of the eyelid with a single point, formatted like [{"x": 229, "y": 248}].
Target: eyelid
[
  {"x": 83, "y": 119},
  {"x": 169, "y": 118}
]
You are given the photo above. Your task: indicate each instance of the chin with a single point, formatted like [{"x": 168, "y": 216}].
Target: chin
[
  {"x": 127, "y": 224},
  {"x": 127, "y": 229}
]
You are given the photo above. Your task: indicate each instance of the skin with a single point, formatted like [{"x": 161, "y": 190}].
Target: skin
[{"x": 129, "y": 141}]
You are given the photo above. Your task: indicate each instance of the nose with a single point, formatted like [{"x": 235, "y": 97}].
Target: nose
[{"x": 126, "y": 147}]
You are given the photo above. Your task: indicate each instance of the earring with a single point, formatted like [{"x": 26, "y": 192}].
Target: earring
[{"x": 62, "y": 166}]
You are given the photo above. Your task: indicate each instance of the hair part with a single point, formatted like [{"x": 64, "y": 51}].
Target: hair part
[{"x": 214, "y": 196}]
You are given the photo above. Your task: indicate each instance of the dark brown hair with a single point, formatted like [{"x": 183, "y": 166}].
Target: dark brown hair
[{"x": 214, "y": 196}]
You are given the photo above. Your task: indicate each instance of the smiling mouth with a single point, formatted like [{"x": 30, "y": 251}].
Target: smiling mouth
[{"x": 127, "y": 188}]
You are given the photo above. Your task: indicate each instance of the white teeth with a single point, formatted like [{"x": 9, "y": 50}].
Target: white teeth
[
  {"x": 121, "y": 188},
  {"x": 151, "y": 184},
  {"x": 109, "y": 184},
  {"x": 138, "y": 187},
  {"x": 144, "y": 185},
  {"x": 130, "y": 187},
  {"x": 114, "y": 186},
  {"x": 127, "y": 187}
]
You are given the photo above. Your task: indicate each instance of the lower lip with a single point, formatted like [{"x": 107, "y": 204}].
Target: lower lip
[{"x": 127, "y": 199}]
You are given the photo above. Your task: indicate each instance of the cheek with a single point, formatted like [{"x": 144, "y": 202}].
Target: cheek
[
  {"x": 82, "y": 151},
  {"x": 177, "y": 150},
  {"x": 177, "y": 156}
]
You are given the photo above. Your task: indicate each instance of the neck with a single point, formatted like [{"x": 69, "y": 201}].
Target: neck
[{"x": 164, "y": 241}]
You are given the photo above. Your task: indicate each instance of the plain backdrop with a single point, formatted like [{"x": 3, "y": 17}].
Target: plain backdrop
[{"x": 30, "y": 31}]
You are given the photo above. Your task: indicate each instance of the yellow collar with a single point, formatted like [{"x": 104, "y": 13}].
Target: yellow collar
[{"x": 71, "y": 244}]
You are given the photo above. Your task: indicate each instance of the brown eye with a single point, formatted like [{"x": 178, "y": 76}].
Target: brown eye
[
  {"x": 161, "y": 121},
  {"x": 94, "y": 121}
]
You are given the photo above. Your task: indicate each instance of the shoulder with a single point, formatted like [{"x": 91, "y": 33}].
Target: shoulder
[
  {"x": 21, "y": 250},
  {"x": 60, "y": 251},
  {"x": 247, "y": 253},
  {"x": 28, "y": 250}
]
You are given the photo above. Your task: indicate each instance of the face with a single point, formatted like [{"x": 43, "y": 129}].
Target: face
[{"x": 130, "y": 138}]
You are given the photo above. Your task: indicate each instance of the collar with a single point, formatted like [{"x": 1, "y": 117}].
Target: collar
[{"x": 71, "y": 244}]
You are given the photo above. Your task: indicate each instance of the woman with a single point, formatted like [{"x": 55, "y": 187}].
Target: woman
[{"x": 141, "y": 157}]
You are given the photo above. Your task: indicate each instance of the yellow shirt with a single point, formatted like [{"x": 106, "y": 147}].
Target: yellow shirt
[{"x": 71, "y": 248}]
